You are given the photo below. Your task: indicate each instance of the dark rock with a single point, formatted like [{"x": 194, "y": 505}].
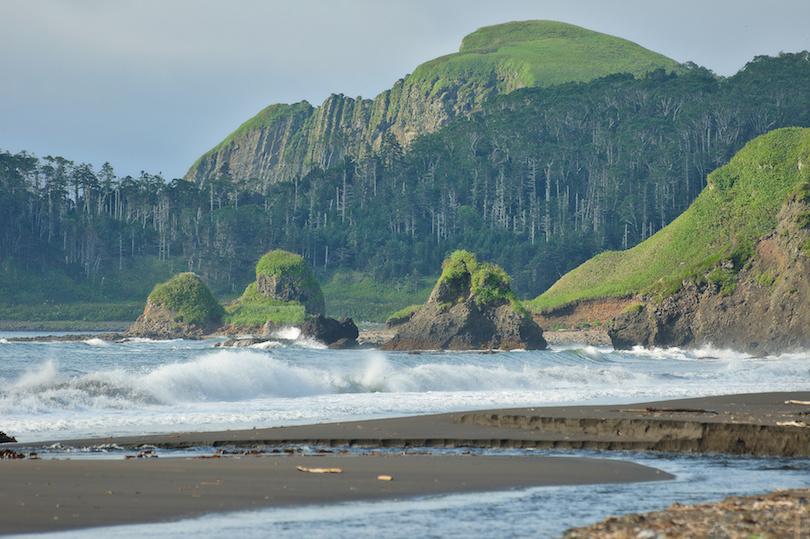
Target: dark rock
[
  {"x": 343, "y": 344},
  {"x": 239, "y": 343},
  {"x": 455, "y": 317},
  {"x": 6, "y": 439},
  {"x": 328, "y": 330},
  {"x": 160, "y": 322},
  {"x": 395, "y": 322},
  {"x": 767, "y": 312},
  {"x": 467, "y": 326}
]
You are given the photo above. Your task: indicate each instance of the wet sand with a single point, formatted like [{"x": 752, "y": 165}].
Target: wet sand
[
  {"x": 43, "y": 495},
  {"x": 50, "y": 495},
  {"x": 755, "y": 424}
]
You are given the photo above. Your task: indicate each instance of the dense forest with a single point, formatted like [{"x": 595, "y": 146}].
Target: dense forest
[{"x": 537, "y": 181}]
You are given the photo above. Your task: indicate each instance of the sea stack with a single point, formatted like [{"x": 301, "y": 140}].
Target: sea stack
[
  {"x": 472, "y": 307},
  {"x": 181, "y": 308}
]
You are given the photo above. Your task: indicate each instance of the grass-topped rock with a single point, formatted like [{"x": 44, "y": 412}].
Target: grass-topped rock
[
  {"x": 731, "y": 270},
  {"x": 284, "y": 293},
  {"x": 182, "y": 307},
  {"x": 285, "y": 276},
  {"x": 471, "y": 307}
]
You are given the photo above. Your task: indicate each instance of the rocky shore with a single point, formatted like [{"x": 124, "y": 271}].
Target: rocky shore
[{"x": 777, "y": 514}]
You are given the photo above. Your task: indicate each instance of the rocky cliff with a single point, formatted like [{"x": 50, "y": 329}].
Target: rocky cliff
[
  {"x": 471, "y": 307},
  {"x": 284, "y": 141},
  {"x": 764, "y": 310}
]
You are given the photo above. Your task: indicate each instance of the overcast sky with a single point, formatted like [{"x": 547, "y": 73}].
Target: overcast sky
[{"x": 153, "y": 84}]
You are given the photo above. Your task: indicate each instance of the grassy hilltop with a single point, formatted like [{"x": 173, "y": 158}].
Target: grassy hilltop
[
  {"x": 738, "y": 205},
  {"x": 529, "y": 54}
]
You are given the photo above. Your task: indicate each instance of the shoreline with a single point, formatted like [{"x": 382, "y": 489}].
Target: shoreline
[
  {"x": 772, "y": 424},
  {"x": 51, "y": 495},
  {"x": 55, "y": 495}
]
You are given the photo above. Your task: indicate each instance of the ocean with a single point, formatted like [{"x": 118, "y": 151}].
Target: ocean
[{"x": 55, "y": 390}]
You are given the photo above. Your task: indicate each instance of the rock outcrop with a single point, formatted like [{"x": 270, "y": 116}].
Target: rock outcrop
[
  {"x": 472, "y": 307},
  {"x": 285, "y": 141},
  {"x": 285, "y": 276},
  {"x": 764, "y": 309},
  {"x": 181, "y": 308},
  {"x": 341, "y": 333}
]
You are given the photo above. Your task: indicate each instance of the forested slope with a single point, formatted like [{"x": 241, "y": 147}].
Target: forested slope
[{"x": 538, "y": 181}]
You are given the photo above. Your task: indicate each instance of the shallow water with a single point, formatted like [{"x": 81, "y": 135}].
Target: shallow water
[{"x": 54, "y": 391}]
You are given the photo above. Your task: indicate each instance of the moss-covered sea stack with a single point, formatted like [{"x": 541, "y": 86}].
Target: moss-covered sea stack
[
  {"x": 472, "y": 307},
  {"x": 286, "y": 276},
  {"x": 283, "y": 294},
  {"x": 182, "y": 307}
]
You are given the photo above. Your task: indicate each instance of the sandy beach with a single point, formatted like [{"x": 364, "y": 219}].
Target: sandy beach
[{"x": 63, "y": 494}]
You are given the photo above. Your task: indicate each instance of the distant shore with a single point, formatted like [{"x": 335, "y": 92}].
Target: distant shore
[
  {"x": 367, "y": 338},
  {"x": 50, "y": 495}
]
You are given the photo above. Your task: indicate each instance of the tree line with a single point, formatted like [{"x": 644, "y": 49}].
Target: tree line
[{"x": 537, "y": 181}]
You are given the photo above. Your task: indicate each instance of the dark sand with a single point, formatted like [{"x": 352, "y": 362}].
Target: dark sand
[
  {"x": 47, "y": 495},
  {"x": 755, "y": 424},
  {"x": 41, "y": 495}
]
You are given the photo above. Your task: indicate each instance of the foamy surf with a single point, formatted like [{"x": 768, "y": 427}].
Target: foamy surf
[{"x": 64, "y": 390}]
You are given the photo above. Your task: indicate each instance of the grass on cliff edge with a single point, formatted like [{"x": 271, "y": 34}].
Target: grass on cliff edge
[{"x": 739, "y": 204}]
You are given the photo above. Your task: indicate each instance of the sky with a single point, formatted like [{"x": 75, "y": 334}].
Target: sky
[{"x": 150, "y": 85}]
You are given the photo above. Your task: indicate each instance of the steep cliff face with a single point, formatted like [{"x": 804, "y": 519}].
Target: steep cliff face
[
  {"x": 765, "y": 311},
  {"x": 284, "y": 141}
]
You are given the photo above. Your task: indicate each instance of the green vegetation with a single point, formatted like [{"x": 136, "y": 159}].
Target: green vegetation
[
  {"x": 537, "y": 181},
  {"x": 189, "y": 297},
  {"x": 88, "y": 312},
  {"x": 255, "y": 309},
  {"x": 288, "y": 265},
  {"x": 534, "y": 54},
  {"x": 407, "y": 311},
  {"x": 363, "y": 298},
  {"x": 714, "y": 237},
  {"x": 464, "y": 275}
]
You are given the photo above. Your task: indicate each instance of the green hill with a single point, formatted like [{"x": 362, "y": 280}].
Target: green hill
[
  {"x": 535, "y": 54},
  {"x": 284, "y": 141},
  {"x": 738, "y": 205}
]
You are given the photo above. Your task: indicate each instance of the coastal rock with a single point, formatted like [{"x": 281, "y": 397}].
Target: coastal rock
[
  {"x": 767, "y": 311},
  {"x": 472, "y": 307},
  {"x": 286, "y": 277},
  {"x": 6, "y": 439},
  {"x": 330, "y": 331},
  {"x": 181, "y": 308}
]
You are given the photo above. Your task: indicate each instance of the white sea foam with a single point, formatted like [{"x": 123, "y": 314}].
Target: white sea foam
[
  {"x": 139, "y": 387},
  {"x": 289, "y": 333}
]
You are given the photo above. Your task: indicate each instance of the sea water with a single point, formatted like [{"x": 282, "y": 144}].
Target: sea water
[{"x": 54, "y": 390}]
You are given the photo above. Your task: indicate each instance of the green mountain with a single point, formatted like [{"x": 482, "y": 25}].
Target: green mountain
[
  {"x": 711, "y": 241},
  {"x": 285, "y": 141}
]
